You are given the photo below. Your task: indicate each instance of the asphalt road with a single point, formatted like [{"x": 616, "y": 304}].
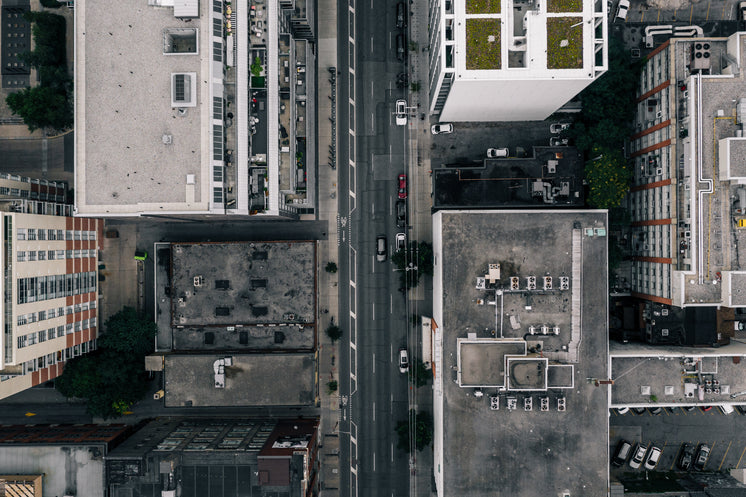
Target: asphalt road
[{"x": 373, "y": 313}]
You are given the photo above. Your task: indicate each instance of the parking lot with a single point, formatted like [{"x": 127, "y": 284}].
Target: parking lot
[
  {"x": 679, "y": 11},
  {"x": 674, "y": 427}
]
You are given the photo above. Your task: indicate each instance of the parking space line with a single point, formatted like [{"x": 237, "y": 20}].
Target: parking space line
[
  {"x": 674, "y": 14},
  {"x": 658, "y": 19},
  {"x": 739, "y": 459},
  {"x": 725, "y": 4},
  {"x": 642, "y": 17},
  {"x": 726, "y": 455},
  {"x": 676, "y": 456},
  {"x": 691, "y": 13},
  {"x": 708, "y": 10}
]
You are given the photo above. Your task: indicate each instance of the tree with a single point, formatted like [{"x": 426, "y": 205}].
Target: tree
[
  {"x": 419, "y": 375},
  {"x": 331, "y": 267},
  {"x": 608, "y": 178},
  {"x": 256, "y": 67},
  {"x": 334, "y": 332},
  {"x": 422, "y": 426},
  {"x": 41, "y": 107},
  {"x": 113, "y": 377},
  {"x": 331, "y": 387}
]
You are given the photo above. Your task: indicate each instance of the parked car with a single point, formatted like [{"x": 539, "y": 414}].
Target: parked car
[
  {"x": 706, "y": 408},
  {"x": 381, "y": 248},
  {"x": 621, "y": 454},
  {"x": 402, "y": 186},
  {"x": 401, "y": 112},
  {"x": 401, "y": 213},
  {"x": 555, "y": 128},
  {"x": 401, "y": 49},
  {"x": 441, "y": 128},
  {"x": 741, "y": 409},
  {"x": 703, "y": 453},
  {"x": 403, "y": 361},
  {"x": 401, "y": 15},
  {"x": 688, "y": 408},
  {"x": 622, "y": 9},
  {"x": 638, "y": 410},
  {"x": 652, "y": 460},
  {"x": 622, "y": 410},
  {"x": 559, "y": 142},
  {"x": 727, "y": 409},
  {"x": 638, "y": 456},
  {"x": 656, "y": 410},
  {"x": 685, "y": 459},
  {"x": 494, "y": 153},
  {"x": 401, "y": 241}
]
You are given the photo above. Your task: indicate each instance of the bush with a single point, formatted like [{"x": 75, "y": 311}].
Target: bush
[
  {"x": 331, "y": 267},
  {"x": 331, "y": 387},
  {"x": 334, "y": 332}
]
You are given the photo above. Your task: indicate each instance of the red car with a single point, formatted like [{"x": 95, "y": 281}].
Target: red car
[{"x": 402, "y": 186}]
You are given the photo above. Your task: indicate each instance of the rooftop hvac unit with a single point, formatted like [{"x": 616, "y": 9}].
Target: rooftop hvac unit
[
  {"x": 480, "y": 283},
  {"x": 544, "y": 329},
  {"x": 659, "y": 114},
  {"x": 561, "y": 404},
  {"x": 547, "y": 282},
  {"x": 531, "y": 282},
  {"x": 659, "y": 171},
  {"x": 544, "y": 403},
  {"x": 555, "y": 330},
  {"x": 532, "y": 330},
  {"x": 700, "y": 56},
  {"x": 564, "y": 283},
  {"x": 198, "y": 280},
  {"x": 528, "y": 404},
  {"x": 512, "y": 403},
  {"x": 495, "y": 403},
  {"x": 664, "y": 312},
  {"x": 515, "y": 283}
]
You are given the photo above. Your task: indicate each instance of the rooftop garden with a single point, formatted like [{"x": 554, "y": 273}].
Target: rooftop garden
[
  {"x": 483, "y": 44},
  {"x": 565, "y": 6},
  {"x": 483, "y": 6},
  {"x": 564, "y": 42}
]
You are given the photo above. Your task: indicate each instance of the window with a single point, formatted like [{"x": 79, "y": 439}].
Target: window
[
  {"x": 31, "y": 234},
  {"x": 22, "y": 342},
  {"x": 68, "y": 328},
  {"x": 42, "y": 234},
  {"x": 59, "y": 255},
  {"x": 217, "y": 142},
  {"x": 21, "y": 256},
  {"x": 217, "y": 108},
  {"x": 217, "y": 51},
  {"x": 68, "y": 254},
  {"x": 92, "y": 235},
  {"x": 51, "y": 314},
  {"x": 42, "y": 336},
  {"x": 42, "y": 315},
  {"x": 32, "y": 255},
  {"x": 51, "y": 254},
  {"x": 21, "y": 234},
  {"x": 217, "y": 6},
  {"x": 217, "y": 27},
  {"x": 60, "y": 235},
  {"x": 51, "y": 234},
  {"x": 31, "y": 338},
  {"x": 42, "y": 255},
  {"x": 22, "y": 320},
  {"x": 60, "y": 331},
  {"x": 184, "y": 89},
  {"x": 68, "y": 235},
  {"x": 76, "y": 235}
]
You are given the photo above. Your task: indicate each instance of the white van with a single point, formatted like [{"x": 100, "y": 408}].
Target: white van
[
  {"x": 495, "y": 153},
  {"x": 727, "y": 409}
]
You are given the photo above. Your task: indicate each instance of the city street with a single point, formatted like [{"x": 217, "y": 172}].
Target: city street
[{"x": 373, "y": 313}]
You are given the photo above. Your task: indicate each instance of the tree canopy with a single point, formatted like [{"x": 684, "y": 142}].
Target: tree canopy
[
  {"x": 608, "y": 178},
  {"x": 40, "y": 107},
  {"x": 113, "y": 377},
  {"x": 422, "y": 424}
]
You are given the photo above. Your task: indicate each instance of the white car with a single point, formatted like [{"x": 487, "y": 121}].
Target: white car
[
  {"x": 494, "y": 153},
  {"x": 621, "y": 11},
  {"x": 403, "y": 361},
  {"x": 441, "y": 128},
  {"x": 638, "y": 456},
  {"x": 652, "y": 460},
  {"x": 555, "y": 128},
  {"x": 401, "y": 241},
  {"x": 401, "y": 112},
  {"x": 559, "y": 142}
]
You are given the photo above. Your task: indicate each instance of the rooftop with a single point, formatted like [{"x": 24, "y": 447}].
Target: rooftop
[
  {"x": 135, "y": 150},
  {"x": 245, "y": 283},
  {"x": 552, "y": 176},
  {"x": 645, "y": 375},
  {"x": 514, "y": 304},
  {"x": 209, "y": 380}
]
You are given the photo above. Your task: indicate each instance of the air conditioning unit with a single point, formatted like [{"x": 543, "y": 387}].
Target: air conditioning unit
[
  {"x": 659, "y": 114},
  {"x": 686, "y": 93},
  {"x": 659, "y": 171},
  {"x": 700, "y": 56}
]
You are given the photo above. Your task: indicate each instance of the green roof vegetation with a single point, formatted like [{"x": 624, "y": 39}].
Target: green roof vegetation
[
  {"x": 483, "y": 44},
  {"x": 483, "y": 6},
  {"x": 565, "y": 6},
  {"x": 564, "y": 42}
]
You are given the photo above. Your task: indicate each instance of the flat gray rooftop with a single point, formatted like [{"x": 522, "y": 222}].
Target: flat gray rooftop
[
  {"x": 525, "y": 452},
  {"x": 246, "y": 283},
  {"x": 664, "y": 378},
  {"x": 123, "y": 110},
  {"x": 252, "y": 380}
]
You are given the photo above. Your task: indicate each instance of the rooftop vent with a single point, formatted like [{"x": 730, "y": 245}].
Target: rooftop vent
[
  {"x": 222, "y": 284},
  {"x": 167, "y": 139},
  {"x": 528, "y": 404},
  {"x": 564, "y": 283},
  {"x": 561, "y": 404},
  {"x": 512, "y": 403},
  {"x": 258, "y": 283},
  {"x": 544, "y": 404},
  {"x": 198, "y": 280}
]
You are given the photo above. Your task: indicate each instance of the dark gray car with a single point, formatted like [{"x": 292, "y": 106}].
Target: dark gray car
[
  {"x": 401, "y": 15},
  {"x": 401, "y": 213}
]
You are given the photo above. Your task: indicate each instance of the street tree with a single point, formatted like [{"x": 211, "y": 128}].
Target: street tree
[
  {"x": 41, "y": 107},
  {"x": 422, "y": 428}
]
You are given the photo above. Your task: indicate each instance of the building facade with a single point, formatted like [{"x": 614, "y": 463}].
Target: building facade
[
  {"x": 210, "y": 104},
  {"x": 513, "y": 60},
  {"x": 13, "y": 187},
  {"x": 687, "y": 197},
  {"x": 50, "y": 289}
]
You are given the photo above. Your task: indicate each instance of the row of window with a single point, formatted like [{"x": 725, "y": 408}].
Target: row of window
[
  {"x": 52, "y": 333},
  {"x": 33, "y": 317},
  {"x": 55, "y": 357},
  {"x": 53, "y": 255},
  {"x": 42, "y": 234},
  {"x": 41, "y": 288}
]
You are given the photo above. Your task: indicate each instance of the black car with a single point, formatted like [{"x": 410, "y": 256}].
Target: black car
[
  {"x": 685, "y": 459},
  {"x": 741, "y": 409},
  {"x": 401, "y": 49},
  {"x": 401, "y": 15},
  {"x": 401, "y": 213}
]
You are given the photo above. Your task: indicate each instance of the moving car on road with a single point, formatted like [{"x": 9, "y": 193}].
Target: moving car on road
[{"x": 381, "y": 248}]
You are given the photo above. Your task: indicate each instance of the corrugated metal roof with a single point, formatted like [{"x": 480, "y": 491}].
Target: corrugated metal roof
[{"x": 186, "y": 8}]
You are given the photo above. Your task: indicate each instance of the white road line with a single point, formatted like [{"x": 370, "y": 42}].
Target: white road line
[
  {"x": 373, "y": 266},
  {"x": 392, "y": 453},
  {"x": 390, "y": 37},
  {"x": 371, "y": 44},
  {"x": 374, "y": 461},
  {"x": 374, "y": 367},
  {"x": 374, "y": 412},
  {"x": 371, "y": 89},
  {"x": 372, "y": 121},
  {"x": 392, "y": 303},
  {"x": 390, "y": 152},
  {"x": 373, "y": 208},
  {"x": 391, "y": 350},
  {"x": 374, "y": 318}
]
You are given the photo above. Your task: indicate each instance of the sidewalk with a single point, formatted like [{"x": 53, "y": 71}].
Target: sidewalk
[
  {"x": 328, "y": 252},
  {"x": 421, "y": 192}
]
